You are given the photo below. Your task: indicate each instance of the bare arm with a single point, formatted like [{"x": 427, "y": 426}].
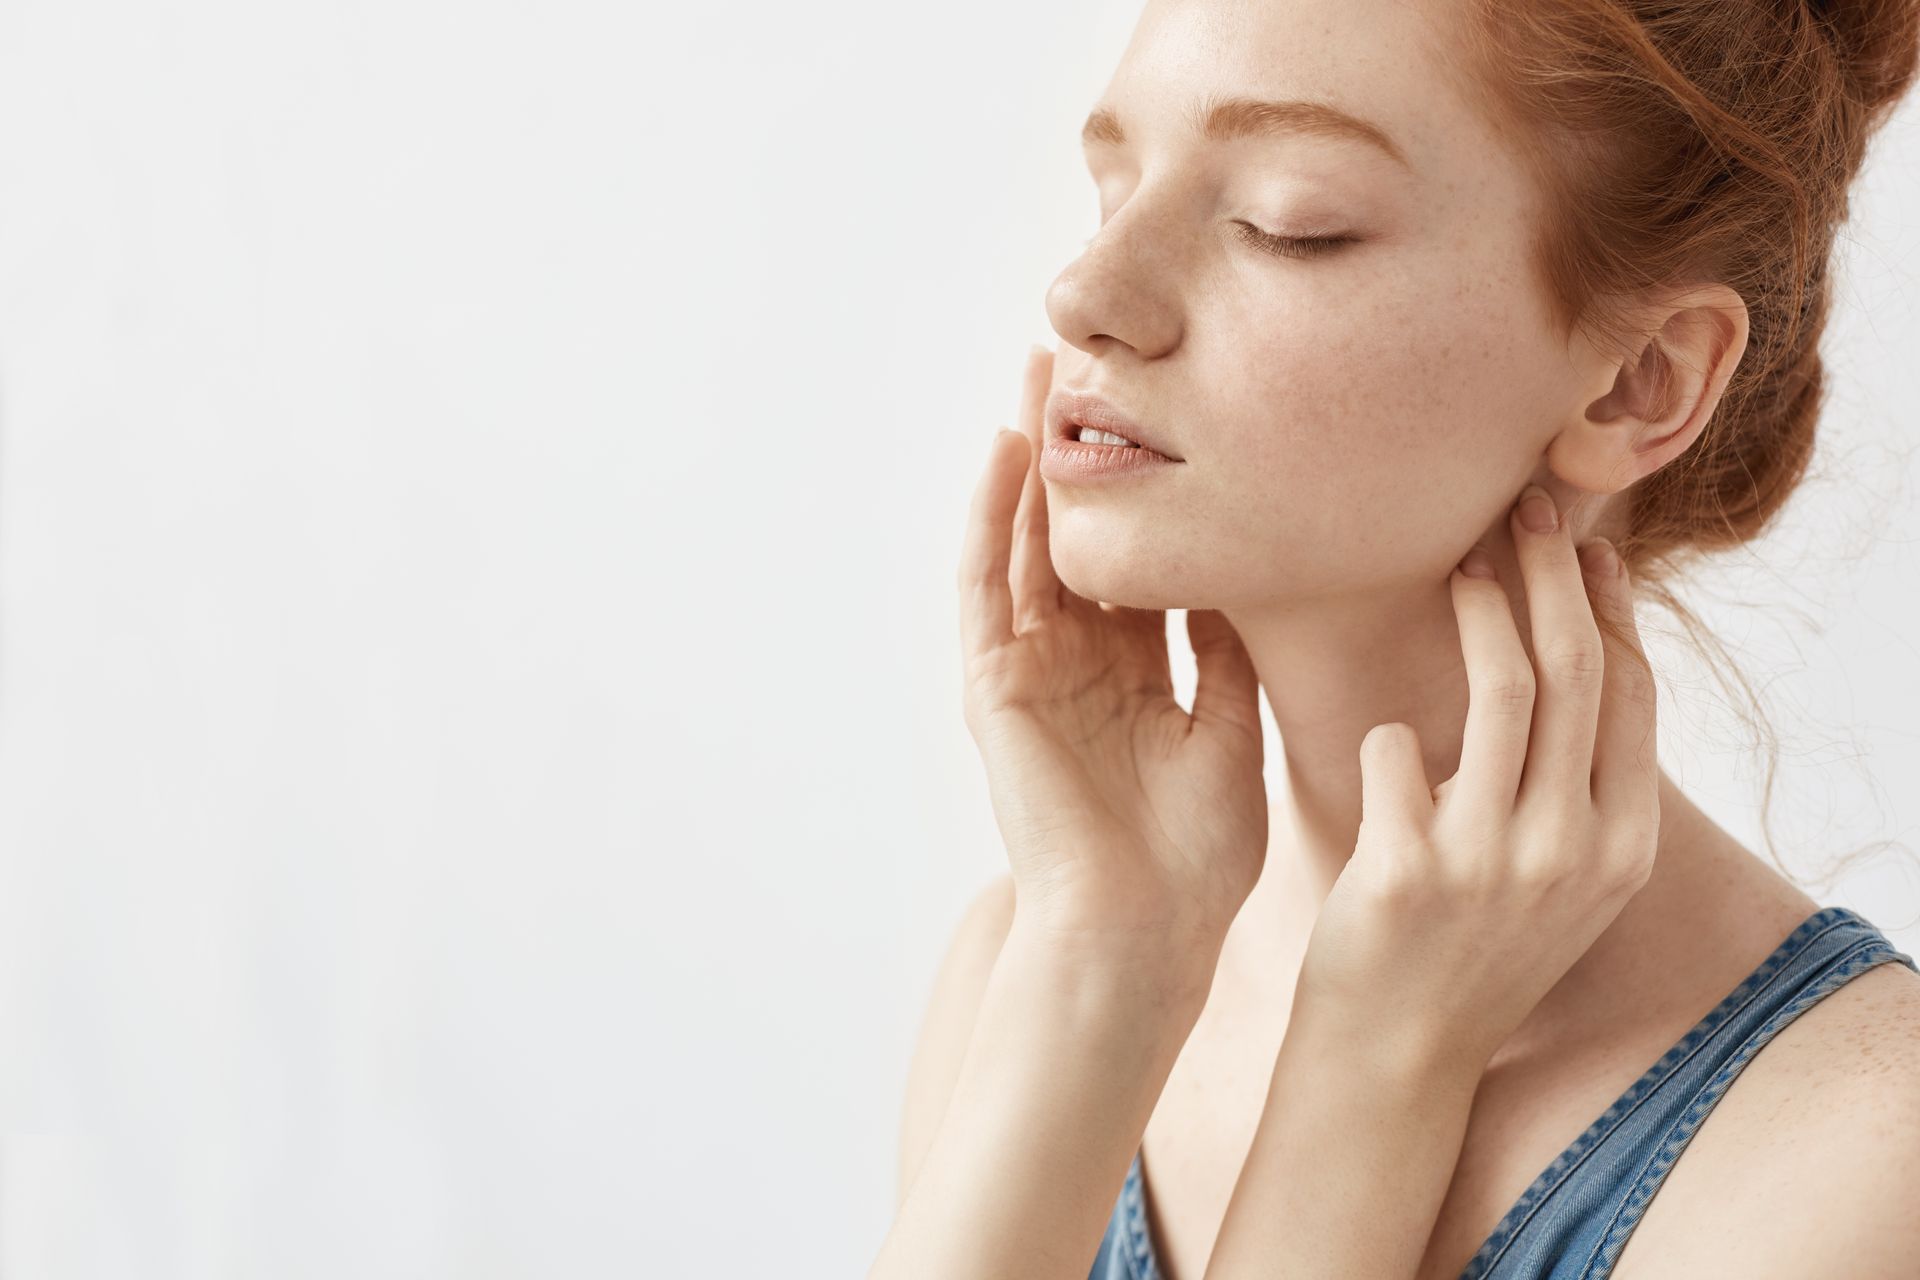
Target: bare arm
[
  {"x": 947, "y": 1024},
  {"x": 1068, "y": 1058},
  {"x": 1353, "y": 1156}
]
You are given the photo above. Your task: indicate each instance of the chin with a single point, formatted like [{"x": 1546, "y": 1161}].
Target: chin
[{"x": 1113, "y": 575}]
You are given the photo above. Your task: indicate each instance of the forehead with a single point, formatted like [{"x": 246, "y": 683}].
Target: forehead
[{"x": 1385, "y": 61}]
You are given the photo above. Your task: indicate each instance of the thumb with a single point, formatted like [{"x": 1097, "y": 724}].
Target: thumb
[
  {"x": 1393, "y": 779},
  {"x": 1228, "y": 690}
]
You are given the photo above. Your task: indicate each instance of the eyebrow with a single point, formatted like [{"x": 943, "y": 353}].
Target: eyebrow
[{"x": 1224, "y": 119}]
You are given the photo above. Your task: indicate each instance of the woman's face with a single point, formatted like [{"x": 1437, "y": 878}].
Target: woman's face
[{"x": 1350, "y": 422}]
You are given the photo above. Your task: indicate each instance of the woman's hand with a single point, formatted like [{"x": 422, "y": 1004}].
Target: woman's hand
[
  {"x": 1464, "y": 904},
  {"x": 1135, "y": 831},
  {"x": 1127, "y": 820}
]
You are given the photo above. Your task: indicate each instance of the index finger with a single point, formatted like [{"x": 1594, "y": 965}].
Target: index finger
[
  {"x": 986, "y": 603},
  {"x": 1626, "y": 772},
  {"x": 1036, "y": 587},
  {"x": 1567, "y": 656}
]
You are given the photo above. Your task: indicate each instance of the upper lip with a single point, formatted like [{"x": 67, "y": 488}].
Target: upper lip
[{"x": 1068, "y": 410}]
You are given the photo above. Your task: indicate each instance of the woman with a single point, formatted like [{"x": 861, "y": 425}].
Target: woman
[{"x": 1369, "y": 273}]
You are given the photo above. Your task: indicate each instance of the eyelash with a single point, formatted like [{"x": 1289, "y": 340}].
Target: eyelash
[
  {"x": 1291, "y": 246},
  {"x": 1285, "y": 246}
]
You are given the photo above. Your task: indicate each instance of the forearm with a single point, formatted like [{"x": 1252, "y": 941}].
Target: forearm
[
  {"x": 1349, "y": 1165},
  {"x": 1068, "y": 1057}
]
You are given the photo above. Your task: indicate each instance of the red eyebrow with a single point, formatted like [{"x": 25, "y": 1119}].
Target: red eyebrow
[{"x": 1223, "y": 119}]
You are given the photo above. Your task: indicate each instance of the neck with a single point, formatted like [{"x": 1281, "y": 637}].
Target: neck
[{"x": 1332, "y": 670}]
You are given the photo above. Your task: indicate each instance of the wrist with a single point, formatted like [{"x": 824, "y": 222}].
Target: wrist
[
  {"x": 1401, "y": 1059},
  {"x": 1160, "y": 972}
]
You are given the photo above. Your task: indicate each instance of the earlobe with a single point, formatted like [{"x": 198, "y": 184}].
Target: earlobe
[{"x": 1659, "y": 397}]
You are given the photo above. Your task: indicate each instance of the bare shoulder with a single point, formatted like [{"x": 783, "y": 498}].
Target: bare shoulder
[
  {"x": 947, "y": 1024},
  {"x": 1814, "y": 1147}
]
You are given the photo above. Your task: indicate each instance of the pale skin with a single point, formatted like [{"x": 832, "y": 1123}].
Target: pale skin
[{"x": 1169, "y": 966}]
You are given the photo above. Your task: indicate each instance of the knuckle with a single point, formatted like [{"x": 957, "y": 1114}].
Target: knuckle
[
  {"x": 1398, "y": 880},
  {"x": 1635, "y": 874},
  {"x": 1548, "y": 857},
  {"x": 1579, "y": 660},
  {"x": 1543, "y": 868},
  {"x": 1509, "y": 690},
  {"x": 1612, "y": 889},
  {"x": 1631, "y": 857}
]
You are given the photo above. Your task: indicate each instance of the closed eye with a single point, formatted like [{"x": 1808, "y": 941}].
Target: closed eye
[{"x": 1291, "y": 246}]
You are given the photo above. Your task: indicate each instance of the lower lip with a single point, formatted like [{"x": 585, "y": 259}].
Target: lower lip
[{"x": 1076, "y": 461}]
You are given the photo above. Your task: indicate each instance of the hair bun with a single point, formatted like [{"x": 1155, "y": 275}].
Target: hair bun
[{"x": 1877, "y": 42}]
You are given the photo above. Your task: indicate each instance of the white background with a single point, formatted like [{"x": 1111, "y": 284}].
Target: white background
[{"x": 482, "y": 782}]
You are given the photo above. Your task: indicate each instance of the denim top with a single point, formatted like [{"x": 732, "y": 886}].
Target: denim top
[{"x": 1573, "y": 1221}]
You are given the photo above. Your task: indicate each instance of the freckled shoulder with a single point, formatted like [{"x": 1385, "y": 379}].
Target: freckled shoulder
[{"x": 1811, "y": 1155}]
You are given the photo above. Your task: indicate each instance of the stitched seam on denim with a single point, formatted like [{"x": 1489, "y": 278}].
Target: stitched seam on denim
[
  {"x": 1125, "y": 1239},
  {"x": 1627, "y": 1215},
  {"x": 1637, "y": 1093},
  {"x": 1489, "y": 1254},
  {"x": 1857, "y": 959},
  {"x": 1832, "y": 970},
  {"x": 1139, "y": 1246}
]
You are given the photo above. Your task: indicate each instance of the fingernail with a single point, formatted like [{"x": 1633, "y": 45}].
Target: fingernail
[
  {"x": 1037, "y": 350},
  {"x": 1475, "y": 564},
  {"x": 1536, "y": 509},
  {"x": 1599, "y": 558}
]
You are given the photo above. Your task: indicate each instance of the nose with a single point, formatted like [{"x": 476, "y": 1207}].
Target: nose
[{"x": 1123, "y": 289}]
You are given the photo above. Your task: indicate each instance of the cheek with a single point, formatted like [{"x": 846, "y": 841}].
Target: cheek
[{"x": 1395, "y": 419}]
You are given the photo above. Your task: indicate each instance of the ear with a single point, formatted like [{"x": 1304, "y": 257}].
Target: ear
[{"x": 1656, "y": 398}]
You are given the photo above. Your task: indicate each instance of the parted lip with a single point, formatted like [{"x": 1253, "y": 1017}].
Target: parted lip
[{"x": 1068, "y": 410}]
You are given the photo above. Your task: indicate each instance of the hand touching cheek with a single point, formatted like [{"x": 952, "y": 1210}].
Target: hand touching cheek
[{"x": 1133, "y": 827}]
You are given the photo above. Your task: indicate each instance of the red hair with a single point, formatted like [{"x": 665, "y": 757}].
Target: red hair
[{"x": 1684, "y": 141}]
